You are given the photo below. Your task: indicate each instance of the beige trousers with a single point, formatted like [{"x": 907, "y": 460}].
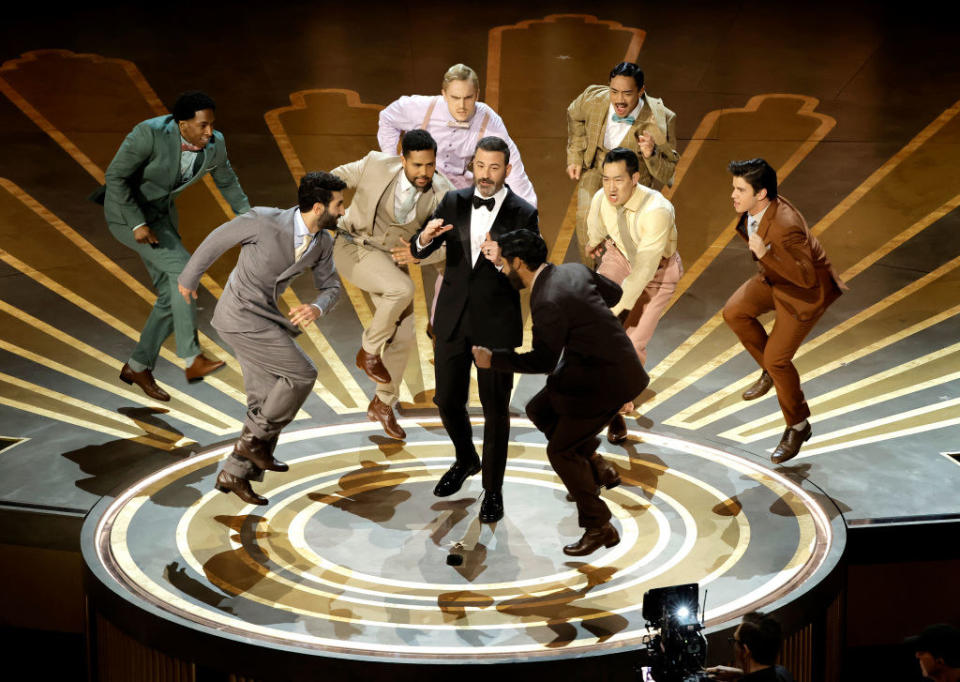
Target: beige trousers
[
  {"x": 391, "y": 332},
  {"x": 642, "y": 319}
]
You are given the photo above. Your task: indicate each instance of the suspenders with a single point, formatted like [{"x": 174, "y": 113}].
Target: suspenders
[{"x": 429, "y": 114}]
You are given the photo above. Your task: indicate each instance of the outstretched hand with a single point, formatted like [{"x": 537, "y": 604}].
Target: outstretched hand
[
  {"x": 433, "y": 230},
  {"x": 482, "y": 357},
  {"x": 401, "y": 254},
  {"x": 304, "y": 314}
]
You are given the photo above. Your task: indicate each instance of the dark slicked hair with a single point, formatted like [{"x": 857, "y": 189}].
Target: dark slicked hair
[
  {"x": 758, "y": 174},
  {"x": 317, "y": 187},
  {"x": 416, "y": 141},
  {"x": 526, "y": 245},
  {"x": 190, "y": 102},
  {"x": 628, "y": 156},
  {"x": 492, "y": 143},
  {"x": 630, "y": 70},
  {"x": 762, "y": 634}
]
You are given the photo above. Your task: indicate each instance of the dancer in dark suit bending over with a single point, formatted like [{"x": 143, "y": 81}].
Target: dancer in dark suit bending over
[{"x": 570, "y": 306}]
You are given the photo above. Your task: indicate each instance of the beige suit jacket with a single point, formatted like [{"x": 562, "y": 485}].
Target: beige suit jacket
[
  {"x": 586, "y": 117},
  {"x": 371, "y": 176}
]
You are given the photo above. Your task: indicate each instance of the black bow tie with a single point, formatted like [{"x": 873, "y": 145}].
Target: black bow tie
[{"x": 478, "y": 202}]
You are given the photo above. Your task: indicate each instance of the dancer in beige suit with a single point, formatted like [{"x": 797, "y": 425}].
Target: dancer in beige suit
[
  {"x": 632, "y": 232},
  {"x": 395, "y": 197},
  {"x": 620, "y": 114}
]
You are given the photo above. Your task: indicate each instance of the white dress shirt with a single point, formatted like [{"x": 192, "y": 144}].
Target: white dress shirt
[
  {"x": 614, "y": 131},
  {"x": 481, "y": 220}
]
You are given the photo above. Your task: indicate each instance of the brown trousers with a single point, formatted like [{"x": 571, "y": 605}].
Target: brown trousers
[{"x": 773, "y": 352}]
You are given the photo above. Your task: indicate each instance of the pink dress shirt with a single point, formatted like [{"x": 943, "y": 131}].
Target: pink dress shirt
[{"x": 455, "y": 145}]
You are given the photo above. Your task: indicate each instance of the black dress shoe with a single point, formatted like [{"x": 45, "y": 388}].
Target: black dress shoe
[
  {"x": 258, "y": 451},
  {"x": 228, "y": 483},
  {"x": 453, "y": 479},
  {"x": 759, "y": 387},
  {"x": 604, "y": 472},
  {"x": 617, "y": 430},
  {"x": 790, "y": 443},
  {"x": 593, "y": 539},
  {"x": 491, "y": 509}
]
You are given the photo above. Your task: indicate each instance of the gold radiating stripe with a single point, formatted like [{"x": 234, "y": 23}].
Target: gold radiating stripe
[
  {"x": 57, "y": 400},
  {"x": 929, "y": 287},
  {"x": 325, "y": 350},
  {"x": 878, "y": 388}
]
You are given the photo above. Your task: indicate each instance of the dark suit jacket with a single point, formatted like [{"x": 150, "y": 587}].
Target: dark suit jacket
[
  {"x": 493, "y": 303},
  {"x": 796, "y": 266},
  {"x": 600, "y": 370}
]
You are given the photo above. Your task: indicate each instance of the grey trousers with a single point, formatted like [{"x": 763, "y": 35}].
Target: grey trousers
[{"x": 277, "y": 376}]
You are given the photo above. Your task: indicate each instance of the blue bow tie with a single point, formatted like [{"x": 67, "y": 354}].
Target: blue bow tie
[{"x": 624, "y": 119}]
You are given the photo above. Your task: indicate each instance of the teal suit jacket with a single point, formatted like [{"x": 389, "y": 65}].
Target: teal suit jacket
[{"x": 142, "y": 180}]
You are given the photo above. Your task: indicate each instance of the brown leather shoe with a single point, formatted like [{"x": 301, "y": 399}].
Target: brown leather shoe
[
  {"x": 383, "y": 413},
  {"x": 258, "y": 451},
  {"x": 145, "y": 381},
  {"x": 604, "y": 472},
  {"x": 759, "y": 387},
  {"x": 372, "y": 365},
  {"x": 228, "y": 483},
  {"x": 593, "y": 539},
  {"x": 790, "y": 444},
  {"x": 617, "y": 430},
  {"x": 201, "y": 367}
]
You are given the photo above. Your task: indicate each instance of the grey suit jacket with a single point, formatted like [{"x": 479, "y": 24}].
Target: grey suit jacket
[
  {"x": 264, "y": 270},
  {"x": 142, "y": 179}
]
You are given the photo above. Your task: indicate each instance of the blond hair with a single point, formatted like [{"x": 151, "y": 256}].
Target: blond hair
[{"x": 460, "y": 72}]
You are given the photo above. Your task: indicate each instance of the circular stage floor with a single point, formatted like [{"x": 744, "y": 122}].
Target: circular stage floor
[{"x": 349, "y": 557}]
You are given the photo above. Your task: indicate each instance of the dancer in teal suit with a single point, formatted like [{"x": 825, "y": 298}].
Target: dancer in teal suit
[{"x": 159, "y": 159}]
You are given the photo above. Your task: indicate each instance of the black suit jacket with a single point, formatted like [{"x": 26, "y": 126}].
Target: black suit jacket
[
  {"x": 492, "y": 302},
  {"x": 600, "y": 371}
]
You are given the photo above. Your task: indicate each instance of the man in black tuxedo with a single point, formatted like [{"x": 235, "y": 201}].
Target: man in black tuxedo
[
  {"x": 476, "y": 306},
  {"x": 570, "y": 306}
]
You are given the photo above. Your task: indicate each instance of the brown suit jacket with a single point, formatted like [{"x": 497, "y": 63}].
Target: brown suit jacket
[
  {"x": 586, "y": 117},
  {"x": 795, "y": 266}
]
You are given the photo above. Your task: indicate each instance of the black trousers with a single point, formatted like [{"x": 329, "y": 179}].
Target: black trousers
[
  {"x": 453, "y": 360},
  {"x": 571, "y": 439}
]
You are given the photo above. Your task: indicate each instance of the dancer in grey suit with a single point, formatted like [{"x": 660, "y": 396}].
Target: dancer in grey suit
[{"x": 276, "y": 246}]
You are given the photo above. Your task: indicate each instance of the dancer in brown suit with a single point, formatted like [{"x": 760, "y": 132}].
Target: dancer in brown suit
[{"x": 794, "y": 279}]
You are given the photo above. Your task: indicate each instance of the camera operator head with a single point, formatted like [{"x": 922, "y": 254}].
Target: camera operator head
[
  {"x": 756, "y": 642},
  {"x": 937, "y": 649}
]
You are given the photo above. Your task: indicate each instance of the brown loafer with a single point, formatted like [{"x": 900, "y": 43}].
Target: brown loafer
[
  {"x": 604, "y": 472},
  {"x": 145, "y": 381},
  {"x": 759, "y": 387},
  {"x": 372, "y": 365},
  {"x": 228, "y": 483},
  {"x": 258, "y": 451},
  {"x": 617, "y": 430},
  {"x": 790, "y": 444},
  {"x": 593, "y": 539},
  {"x": 379, "y": 411},
  {"x": 201, "y": 367}
]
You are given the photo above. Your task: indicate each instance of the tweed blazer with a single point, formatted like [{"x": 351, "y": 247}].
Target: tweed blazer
[
  {"x": 264, "y": 269},
  {"x": 371, "y": 176},
  {"x": 142, "y": 180},
  {"x": 587, "y": 117},
  {"x": 795, "y": 264}
]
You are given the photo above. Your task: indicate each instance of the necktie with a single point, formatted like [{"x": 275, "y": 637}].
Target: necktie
[
  {"x": 478, "y": 202},
  {"x": 628, "y": 246},
  {"x": 751, "y": 225},
  {"x": 186, "y": 147},
  {"x": 408, "y": 203},
  {"x": 302, "y": 249},
  {"x": 458, "y": 124},
  {"x": 624, "y": 119}
]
